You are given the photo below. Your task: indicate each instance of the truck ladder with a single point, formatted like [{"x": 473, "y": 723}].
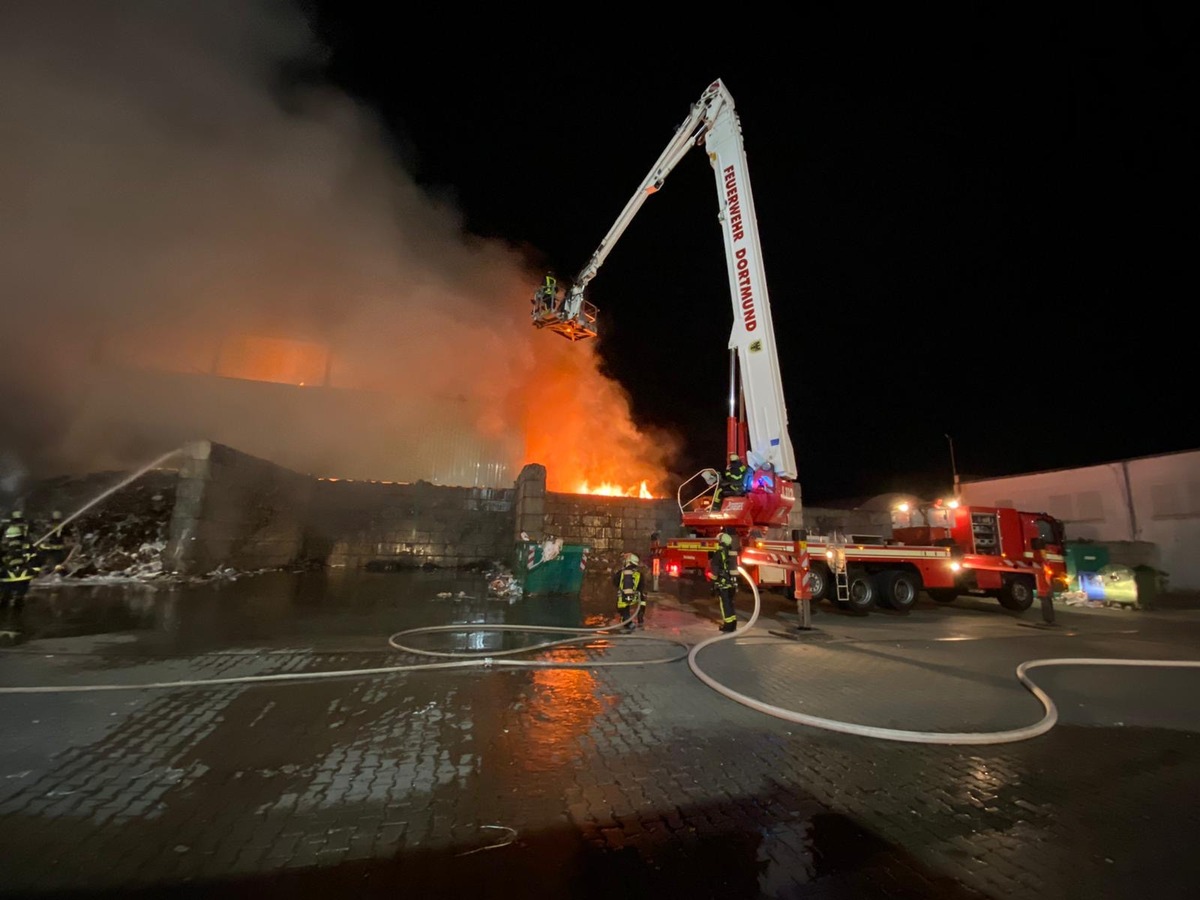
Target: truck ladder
[{"x": 841, "y": 580}]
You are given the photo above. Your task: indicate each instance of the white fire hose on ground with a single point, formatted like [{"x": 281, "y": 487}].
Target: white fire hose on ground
[{"x": 920, "y": 737}]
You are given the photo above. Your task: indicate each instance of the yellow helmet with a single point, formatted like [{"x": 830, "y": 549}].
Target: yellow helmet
[
  {"x": 725, "y": 539},
  {"x": 632, "y": 559}
]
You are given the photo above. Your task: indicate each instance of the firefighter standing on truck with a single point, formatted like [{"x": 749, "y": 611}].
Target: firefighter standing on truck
[
  {"x": 631, "y": 594},
  {"x": 733, "y": 480},
  {"x": 722, "y": 567}
]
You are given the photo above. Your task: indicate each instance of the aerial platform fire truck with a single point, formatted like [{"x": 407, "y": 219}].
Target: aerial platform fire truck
[
  {"x": 946, "y": 550},
  {"x": 756, "y": 427}
]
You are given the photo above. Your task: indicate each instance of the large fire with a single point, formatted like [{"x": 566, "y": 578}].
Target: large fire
[
  {"x": 615, "y": 490},
  {"x": 578, "y": 424}
]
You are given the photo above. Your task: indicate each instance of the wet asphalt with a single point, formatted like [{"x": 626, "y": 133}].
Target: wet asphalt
[{"x": 262, "y": 761}]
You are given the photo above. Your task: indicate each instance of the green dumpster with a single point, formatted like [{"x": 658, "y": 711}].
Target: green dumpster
[
  {"x": 1084, "y": 556},
  {"x": 540, "y": 572}
]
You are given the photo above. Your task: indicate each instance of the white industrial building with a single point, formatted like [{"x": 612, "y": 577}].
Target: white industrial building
[{"x": 1148, "y": 507}]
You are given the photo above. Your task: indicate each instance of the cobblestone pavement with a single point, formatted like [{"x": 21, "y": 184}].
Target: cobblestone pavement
[{"x": 627, "y": 781}]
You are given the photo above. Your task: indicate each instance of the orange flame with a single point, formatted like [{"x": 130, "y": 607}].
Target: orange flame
[
  {"x": 615, "y": 490},
  {"x": 579, "y": 424}
]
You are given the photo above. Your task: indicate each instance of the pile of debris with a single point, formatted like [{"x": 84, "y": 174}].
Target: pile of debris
[
  {"x": 121, "y": 538},
  {"x": 503, "y": 585},
  {"x": 111, "y": 536}
]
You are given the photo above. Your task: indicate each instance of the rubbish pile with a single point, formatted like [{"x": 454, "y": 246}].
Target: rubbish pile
[
  {"x": 502, "y": 584},
  {"x": 122, "y": 538}
]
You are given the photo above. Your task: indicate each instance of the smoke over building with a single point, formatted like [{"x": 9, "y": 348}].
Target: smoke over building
[{"x": 194, "y": 246}]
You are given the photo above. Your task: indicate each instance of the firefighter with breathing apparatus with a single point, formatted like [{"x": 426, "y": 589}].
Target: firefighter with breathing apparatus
[
  {"x": 629, "y": 580},
  {"x": 722, "y": 569},
  {"x": 19, "y": 565}
]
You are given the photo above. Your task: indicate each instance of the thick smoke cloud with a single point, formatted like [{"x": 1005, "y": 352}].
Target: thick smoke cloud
[{"x": 172, "y": 213}]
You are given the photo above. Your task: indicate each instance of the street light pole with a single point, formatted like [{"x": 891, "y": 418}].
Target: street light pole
[{"x": 953, "y": 467}]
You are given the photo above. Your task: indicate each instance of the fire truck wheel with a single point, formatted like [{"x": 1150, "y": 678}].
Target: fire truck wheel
[
  {"x": 862, "y": 589},
  {"x": 898, "y": 590},
  {"x": 819, "y": 582},
  {"x": 1017, "y": 594},
  {"x": 943, "y": 595}
]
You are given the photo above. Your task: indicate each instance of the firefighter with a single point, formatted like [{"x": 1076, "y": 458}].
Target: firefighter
[
  {"x": 631, "y": 595},
  {"x": 18, "y": 568},
  {"x": 546, "y": 297},
  {"x": 722, "y": 567},
  {"x": 53, "y": 546},
  {"x": 16, "y": 531},
  {"x": 733, "y": 480}
]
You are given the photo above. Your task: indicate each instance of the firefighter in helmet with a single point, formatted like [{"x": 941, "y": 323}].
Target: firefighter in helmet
[
  {"x": 18, "y": 567},
  {"x": 545, "y": 298},
  {"x": 16, "y": 530},
  {"x": 733, "y": 480},
  {"x": 631, "y": 593},
  {"x": 53, "y": 546},
  {"x": 722, "y": 568}
]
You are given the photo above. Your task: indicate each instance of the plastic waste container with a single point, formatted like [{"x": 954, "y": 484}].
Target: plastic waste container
[
  {"x": 1120, "y": 586},
  {"x": 1092, "y": 585},
  {"x": 543, "y": 573},
  {"x": 1085, "y": 557}
]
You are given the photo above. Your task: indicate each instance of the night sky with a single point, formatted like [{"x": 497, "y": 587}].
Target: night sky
[{"x": 985, "y": 230}]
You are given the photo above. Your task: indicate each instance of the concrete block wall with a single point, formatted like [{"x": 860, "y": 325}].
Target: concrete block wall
[
  {"x": 608, "y": 524},
  {"x": 530, "y": 506},
  {"x": 235, "y": 510},
  {"x": 362, "y": 524}
]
